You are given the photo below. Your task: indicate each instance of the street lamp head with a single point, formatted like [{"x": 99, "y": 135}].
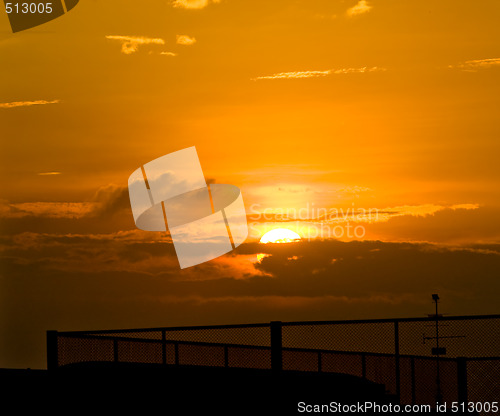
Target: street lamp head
[{"x": 435, "y": 297}]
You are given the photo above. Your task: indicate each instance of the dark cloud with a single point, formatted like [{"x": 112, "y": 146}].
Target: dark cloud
[
  {"x": 87, "y": 282},
  {"x": 448, "y": 226},
  {"x": 110, "y": 200}
]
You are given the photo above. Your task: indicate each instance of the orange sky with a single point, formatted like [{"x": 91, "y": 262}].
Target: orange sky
[{"x": 385, "y": 105}]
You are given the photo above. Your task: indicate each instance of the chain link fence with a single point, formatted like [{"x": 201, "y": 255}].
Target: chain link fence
[
  {"x": 241, "y": 346},
  {"x": 397, "y": 353}
]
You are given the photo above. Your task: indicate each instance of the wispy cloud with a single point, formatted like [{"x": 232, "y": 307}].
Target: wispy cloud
[
  {"x": 27, "y": 103},
  {"x": 296, "y": 74},
  {"x": 357, "y": 70},
  {"x": 353, "y": 214},
  {"x": 383, "y": 215},
  {"x": 464, "y": 206},
  {"x": 420, "y": 210},
  {"x": 193, "y": 4},
  {"x": 360, "y": 7},
  {"x": 72, "y": 210},
  {"x": 474, "y": 65},
  {"x": 185, "y": 40},
  {"x": 315, "y": 74},
  {"x": 48, "y": 173},
  {"x": 168, "y": 53},
  {"x": 130, "y": 44}
]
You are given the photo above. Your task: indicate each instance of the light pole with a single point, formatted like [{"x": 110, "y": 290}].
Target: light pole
[{"x": 439, "y": 397}]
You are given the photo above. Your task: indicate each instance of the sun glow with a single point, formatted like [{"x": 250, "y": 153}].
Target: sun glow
[
  {"x": 261, "y": 256},
  {"x": 280, "y": 235}
]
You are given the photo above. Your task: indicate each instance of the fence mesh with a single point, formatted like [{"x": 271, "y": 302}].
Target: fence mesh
[
  {"x": 483, "y": 380},
  {"x": 472, "y": 337},
  {"x": 377, "y": 337},
  {"x": 395, "y": 353},
  {"x": 72, "y": 350}
]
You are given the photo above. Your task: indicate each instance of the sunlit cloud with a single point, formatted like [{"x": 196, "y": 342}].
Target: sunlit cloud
[
  {"x": 168, "y": 53},
  {"x": 474, "y": 65},
  {"x": 185, "y": 40},
  {"x": 464, "y": 206},
  {"x": 130, "y": 44},
  {"x": 48, "y": 173},
  {"x": 361, "y": 7},
  {"x": 357, "y": 214},
  {"x": 193, "y": 4},
  {"x": 316, "y": 74},
  {"x": 27, "y": 103},
  {"x": 358, "y": 70},
  {"x": 296, "y": 74}
]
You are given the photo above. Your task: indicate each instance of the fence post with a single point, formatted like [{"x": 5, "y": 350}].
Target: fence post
[
  {"x": 52, "y": 353},
  {"x": 115, "y": 350},
  {"x": 396, "y": 358},
  {"x": 462, "y": 379},
  {"x": 413, "y": 387},
  {"x": 226, "y": 356},
  {"x": 176, "y": 350},
  {"x": 163, "y": 347},
  {"x": 276, "y": 346}
]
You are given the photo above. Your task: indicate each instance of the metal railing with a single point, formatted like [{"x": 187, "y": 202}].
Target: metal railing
[{"x": 397, "y": 353}]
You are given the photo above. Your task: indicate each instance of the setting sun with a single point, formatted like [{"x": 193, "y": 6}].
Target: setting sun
[{"x": 280, "y": 235}]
